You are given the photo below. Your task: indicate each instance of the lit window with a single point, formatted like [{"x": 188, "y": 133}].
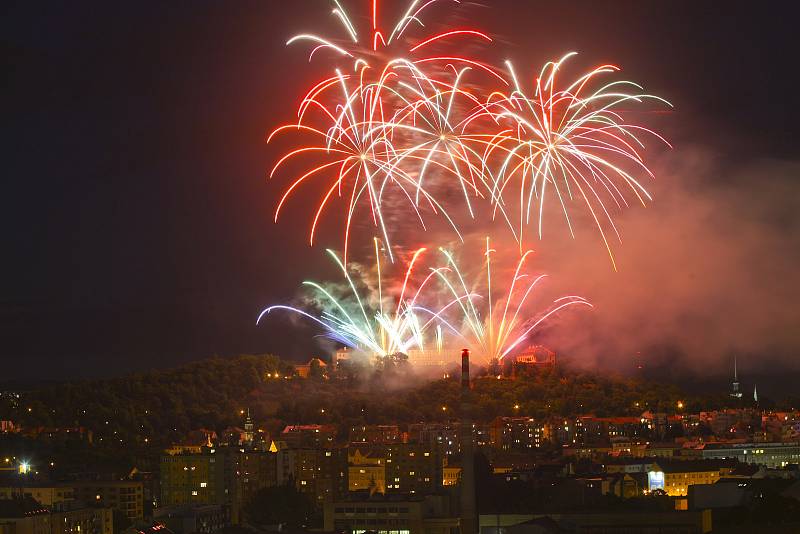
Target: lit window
[
  {"x": 204, "y": 484},
  {"x": 194, "y": 492}
]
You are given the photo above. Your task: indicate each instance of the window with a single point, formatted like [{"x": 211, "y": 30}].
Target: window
[
  {"x": 204, "y": 484},
  {"x": 194, "y": 493}
]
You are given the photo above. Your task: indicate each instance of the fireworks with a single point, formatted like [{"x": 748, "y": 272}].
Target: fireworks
[
  {"x": 395, "y": 42},
  {"x": 497, "y": 315},
  {"x": 398, "y": 135},
  {"x": 359, "y": 153},
  {"x": 573, "y": 140},
  {"x": 367, "y": 315}
]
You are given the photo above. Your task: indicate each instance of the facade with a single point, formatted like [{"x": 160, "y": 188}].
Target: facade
[
  {"x": 774, "y": 455},
  {"x": 47, "y": 495},
  {"x": 299, "y": 436},
  {"x": 82, "y": 521},
  {"x": 225, "y": 476},
  {"x": 256, "y": 470},
  {"x": 366, "y": 471},
  {"x": 375, "y": 434},
  {"x": 190, "y": 519},
  {"x": 445, "y": 436},
  {"x": 677, "y": 522},
  {"x": 193, "y": 478},
  {"x": 395, "y": 514},
  {"x": 451, "y": 475},
  {"x": 675, "y": 478},
  {"x": 517, "y": 433},
  {"x": 413, "y": 468},
  {"x": 535, "y": 356},
  {"x": 321, "y": 473},
  {"x": 26, "y": 516},
  {"x": 127, "y": 496}
]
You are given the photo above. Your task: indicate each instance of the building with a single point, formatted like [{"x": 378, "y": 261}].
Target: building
[
  {"x": 257, "y": 470},
  {"x": 190, "y": 519},
  {"x": 535, "y": 356},
  {"x": 24, "y": 516},
  {"x": 301, "y": 436},
  {"x": 47, "y": 495},
  {"x": 600, "y": 430},
  {"x": 375, "y": 434},
  {"x": 675, "y": 478},
  {"x": 225, "y": 476},
  {"x": 391, "y": 514},
  {"x": 677, "y": 522},
  {"x": 27, "y": 516},
  {"x": 413, "y": 468},
  {"x": 451, "y": 475},
  {"x": 321, "y": 473},
  {"x": 517, "y": 433},
  {"x": 445, "y": 436},
  {"x": 315, "y": 366},
  {"x": 432, "y": 358},
  {"x": 193, "y": 478},
  {"x": 366, "y": 471},
  {"x": 629, "y": 465},
  {"x": 126, "y": 496},
  {"x": 82, "y": 520},
  {"x": 774, "y": 455}
]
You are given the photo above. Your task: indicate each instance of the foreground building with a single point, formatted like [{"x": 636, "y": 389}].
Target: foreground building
[
  {"x": 391, "y": 514},
  {"x": 27, "y": 516}
]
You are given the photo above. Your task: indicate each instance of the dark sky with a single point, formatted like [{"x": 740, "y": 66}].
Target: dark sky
[{"x": 136, "y": 218}]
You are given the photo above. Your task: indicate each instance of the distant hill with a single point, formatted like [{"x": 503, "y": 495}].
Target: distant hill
[{"x": 163, "y": 406}]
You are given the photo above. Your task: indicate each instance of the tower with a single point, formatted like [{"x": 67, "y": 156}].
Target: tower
[
  {"x": 735, "y": 392},
  {"x": 469, "y": 512},
  {"x": 249, "y": 435},
  {"x": 755, "y": 394}
]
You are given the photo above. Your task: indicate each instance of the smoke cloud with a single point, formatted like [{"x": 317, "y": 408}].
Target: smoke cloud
[{"x": 707, "y": 270}]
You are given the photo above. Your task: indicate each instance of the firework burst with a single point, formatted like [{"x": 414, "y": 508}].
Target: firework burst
[
  {"x": 497, "y": 312},
  {"x": 371, "y": 314},
  {"x": 571, "y": 142}
]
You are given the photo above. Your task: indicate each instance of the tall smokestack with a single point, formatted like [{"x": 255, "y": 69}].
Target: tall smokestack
[
  {"x": 464, "y": 369},
  {"x": 469, "y": 512}
]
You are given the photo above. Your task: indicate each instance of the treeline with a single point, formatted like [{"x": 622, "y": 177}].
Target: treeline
[
  {"x": 158, "y": 405},
  {"x": 163, "y": 406}
]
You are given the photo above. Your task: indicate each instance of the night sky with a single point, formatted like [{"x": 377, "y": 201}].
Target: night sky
[{"x": 136, "y": 215}]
